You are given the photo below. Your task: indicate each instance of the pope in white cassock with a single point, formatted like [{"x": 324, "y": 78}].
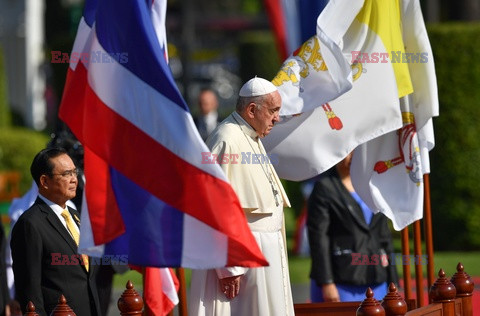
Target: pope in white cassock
[{"x": 237, "y": 146}]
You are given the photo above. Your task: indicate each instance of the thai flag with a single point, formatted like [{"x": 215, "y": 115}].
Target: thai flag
[
  {"x": 147, "y": 194},
  {"x": 293, "y": 22},
  {"x": 161, "y": 286}
]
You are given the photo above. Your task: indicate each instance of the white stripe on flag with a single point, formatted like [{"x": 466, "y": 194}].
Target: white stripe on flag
[
  {"x": 147, "y": 110},
  {"x": 81, "y": 42},
  {"x": 87, "y": 243},
  {"x": 210, "y": 248},
  {"x": 168, "y": 286}
]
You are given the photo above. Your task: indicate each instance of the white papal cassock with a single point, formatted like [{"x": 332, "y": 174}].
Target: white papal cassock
[{"x": 263, "y": 291}]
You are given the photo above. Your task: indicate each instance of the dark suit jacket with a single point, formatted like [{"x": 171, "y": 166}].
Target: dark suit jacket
[
  {"x": 37, "y": 235},
  {"x": 201, "y": 127},
  {"x": 337, "y": 231}
]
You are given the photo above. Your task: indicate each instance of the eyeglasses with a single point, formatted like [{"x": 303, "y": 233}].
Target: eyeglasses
[{"x": 68, "y": 173}]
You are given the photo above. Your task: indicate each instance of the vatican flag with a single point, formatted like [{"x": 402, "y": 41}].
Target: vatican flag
[
  {"x": 387, "y": 172},
  {"x": 319, "y": 128}
]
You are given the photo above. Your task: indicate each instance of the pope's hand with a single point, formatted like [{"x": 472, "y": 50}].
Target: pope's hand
[{"x": 230, "y": 286}]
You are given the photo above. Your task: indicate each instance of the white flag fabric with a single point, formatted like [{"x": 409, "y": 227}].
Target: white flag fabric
[
  {"x": 387, "y": 172},
  {"x": 318, "y": 65},
  {"x": 320, "y": 124}
]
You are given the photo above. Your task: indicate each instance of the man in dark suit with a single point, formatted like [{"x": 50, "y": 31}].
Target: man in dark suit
[
  {"x": 208, "y": 118},
  {"x": 45, "y": 240}
]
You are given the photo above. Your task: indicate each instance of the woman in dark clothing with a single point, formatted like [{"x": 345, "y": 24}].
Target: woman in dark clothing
[{"x": 349, "y": 244}]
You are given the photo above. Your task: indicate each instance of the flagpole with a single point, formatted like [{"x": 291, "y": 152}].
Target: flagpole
[
  {"x": 182, "y": 292},
  {"x": 145, "y": 306},
  {"x": 427, "y": 222},
  {"x": 406, "y": 267},
  {"x": 417, "y": 249}
]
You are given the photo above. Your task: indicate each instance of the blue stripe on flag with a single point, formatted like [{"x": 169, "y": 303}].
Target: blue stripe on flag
[
  {"x": 154, "y": 230},
  {"x": 120, "y": 21},
  {"x": 309, "y": 11},
  {"x": 89, "y": 11}
]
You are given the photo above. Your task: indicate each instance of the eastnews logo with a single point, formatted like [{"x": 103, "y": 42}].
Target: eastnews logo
[
  {"x": 59, "y": 259},
  {"x": 393, "y": 56},
  {"x": 242, "y": 158},
  {"x": 59, "y": 57},
  {"x": 359, "y": 259}
]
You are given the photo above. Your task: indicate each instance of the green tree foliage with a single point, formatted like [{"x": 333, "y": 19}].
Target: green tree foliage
[
  {"x": 5, "y": 119},
  {"x": 455, "y": 175},
  {"x": 258, "y": 56},
  {"x": 18, "y": 146}
]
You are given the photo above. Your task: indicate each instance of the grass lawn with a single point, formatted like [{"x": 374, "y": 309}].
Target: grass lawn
[
  {"x": 300, "y": 268},
  {"x": 120, "y": 280}
]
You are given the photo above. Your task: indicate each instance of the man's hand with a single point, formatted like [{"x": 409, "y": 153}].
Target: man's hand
[
  {"x": 230, "y": 286},
  {"x": 13, "y": 309},
  {"x": 330, "y": 293}
]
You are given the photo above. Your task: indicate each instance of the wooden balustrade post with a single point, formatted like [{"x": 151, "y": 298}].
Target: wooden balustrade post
[
  {"x": 464, "y": 285},
  {"x": 443, "y": 291},
  {"x": 62, "y": 308},
  {"x": 370, "y": 306},
  {"x": 31, "y": 310},
  {"x": 393, "y": 303},
  {"x": 130, "y": 302}
]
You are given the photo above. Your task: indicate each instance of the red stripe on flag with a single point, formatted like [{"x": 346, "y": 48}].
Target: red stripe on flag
[
  {"x": 156, "y": 300},
  {"x": 156, "y": 169},
  {"x": 73, "y": 98},
  {"x": 277, "y": 20},
  {"x": 103, "y": 210}
]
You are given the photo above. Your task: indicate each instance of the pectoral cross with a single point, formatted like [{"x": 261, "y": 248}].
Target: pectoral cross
[{"x": 275, "y": 195}]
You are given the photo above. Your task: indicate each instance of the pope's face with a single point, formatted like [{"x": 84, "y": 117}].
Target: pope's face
[{"x": 267, "y": 115}]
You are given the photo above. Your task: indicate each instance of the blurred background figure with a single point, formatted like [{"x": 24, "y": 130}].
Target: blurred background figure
[
  {"x": 207, "y": 118},
  {"x": 349, "y": 244},
  {"x": 300, "y": 245}
]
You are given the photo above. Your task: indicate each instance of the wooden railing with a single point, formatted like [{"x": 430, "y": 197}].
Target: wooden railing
[
  {"x": 448, "y": 297},
  {"x": 130, "y": 303}
]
